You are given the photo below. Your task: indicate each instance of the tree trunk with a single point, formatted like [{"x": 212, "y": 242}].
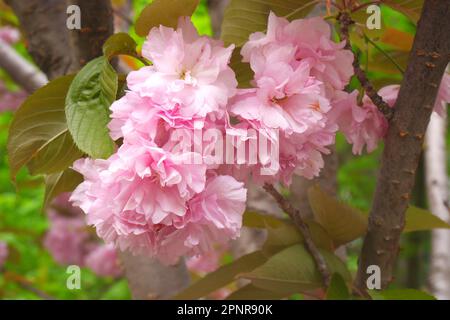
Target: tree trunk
[
  {"x": 403, "y": 145},
  {"x": 150, "y": 280},
  {"x": 437, "y": 189}
]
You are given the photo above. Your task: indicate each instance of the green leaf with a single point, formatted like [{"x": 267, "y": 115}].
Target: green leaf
[
  {"x": 293, "y": 270},
  {"x": 38, "y": 135},
  {"x": 87, "y": 107},
  {"x": 57, "y": 183},
  {"x": 418, "y": 219},
  {"x": 242, "y": 18},
  {"x": 119, "y": 43},
  {"x": 250, "y": 292},
  {"x": 410, "y": 8},
  {"x": 164, "y": 12},
  {"x": 222, "y": 276},
  {"x": 342, "y": 222},
  {"x": 401, "y": 294},
  {"x": 338, "y": 289}
]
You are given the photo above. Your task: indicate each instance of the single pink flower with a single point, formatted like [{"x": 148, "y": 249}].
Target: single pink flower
[
  {"x": 66, "y": 239},
  {"x": 190, "y": 76},
  {"x": 10, "y": 100},
  {"x": 311, "y": 38},
  {"x": 9, "y": 34}
]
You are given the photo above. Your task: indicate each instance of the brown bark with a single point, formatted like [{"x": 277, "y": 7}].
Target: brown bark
[
  {"x": 97, "y": 24},
  {"x": 56, "y": 49},
  {"x": 44, "y": 26},
  {"x": 403, "y": 145}
]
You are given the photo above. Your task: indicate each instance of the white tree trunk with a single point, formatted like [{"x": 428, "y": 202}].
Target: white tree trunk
[
  {"x": 21, "y": 71},
  {"x": 148, "y": 279},
  {"x": 438, "y": 192}
]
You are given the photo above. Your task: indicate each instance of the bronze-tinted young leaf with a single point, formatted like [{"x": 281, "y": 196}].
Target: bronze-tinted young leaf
[
  {"x": 119, "y": 43},
  {"x": 293, "y": 270},
  {"x": 222, "y": 276},
  {"x": 250, "y": 292},
  {"x": 400, "y": 40},
  {"x": 244, "y": 74},
  {"x": 418, "y": 219},
  {"x": 254, "y": 219},
  {"x": 87, "y": 107},
  {"x": 282, "y": 232},
  {"x": 57, "y": 183},
  {"x": 245, "y": 17},
  {"x": 338, "y": 289},
  {"x": 164, "y": 12},
  {"x": 342, "y": 222},
  {"x": 287, "y": 234},
  {"x": 38, "y": 135}
]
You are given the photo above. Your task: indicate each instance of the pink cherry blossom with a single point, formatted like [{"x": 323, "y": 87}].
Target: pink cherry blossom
[
  {"x": 9, "y": 34},
  {"x": 3, "y": 253},
  {"x": 362, "y": 125},
  {"x": 190, "y": 76},
  {"x": 296, "y": 74},
  {"x": 214, "y": 216},
  {"x": 311, "y": 38},
  {"x": 103, "y": 261},
  {"x": 66, "y": 239},
  {"x": 153, "y": 202},
  {"x": 10, "y": 100},
  {"x": 390, "y": 94}
]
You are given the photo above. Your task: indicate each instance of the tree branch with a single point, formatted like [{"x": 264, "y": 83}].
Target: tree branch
[
  {"x": 403, "y": 145},
  {"x": 21, "y": 71},
  {"x": 345, "y": 22},
  {"x": 304, "y": 230}
]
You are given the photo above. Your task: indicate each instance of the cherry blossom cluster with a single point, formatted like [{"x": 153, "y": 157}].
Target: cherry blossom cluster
[
  {"x": 161, "y": 194},
  {"x": 149, "y": 197},
  {"x": 299, "y": 73}
]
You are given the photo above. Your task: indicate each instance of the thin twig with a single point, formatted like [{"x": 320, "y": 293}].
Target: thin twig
[
  {"x": 286, "y": 206},
  {"x": 345, "y": 21}
]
